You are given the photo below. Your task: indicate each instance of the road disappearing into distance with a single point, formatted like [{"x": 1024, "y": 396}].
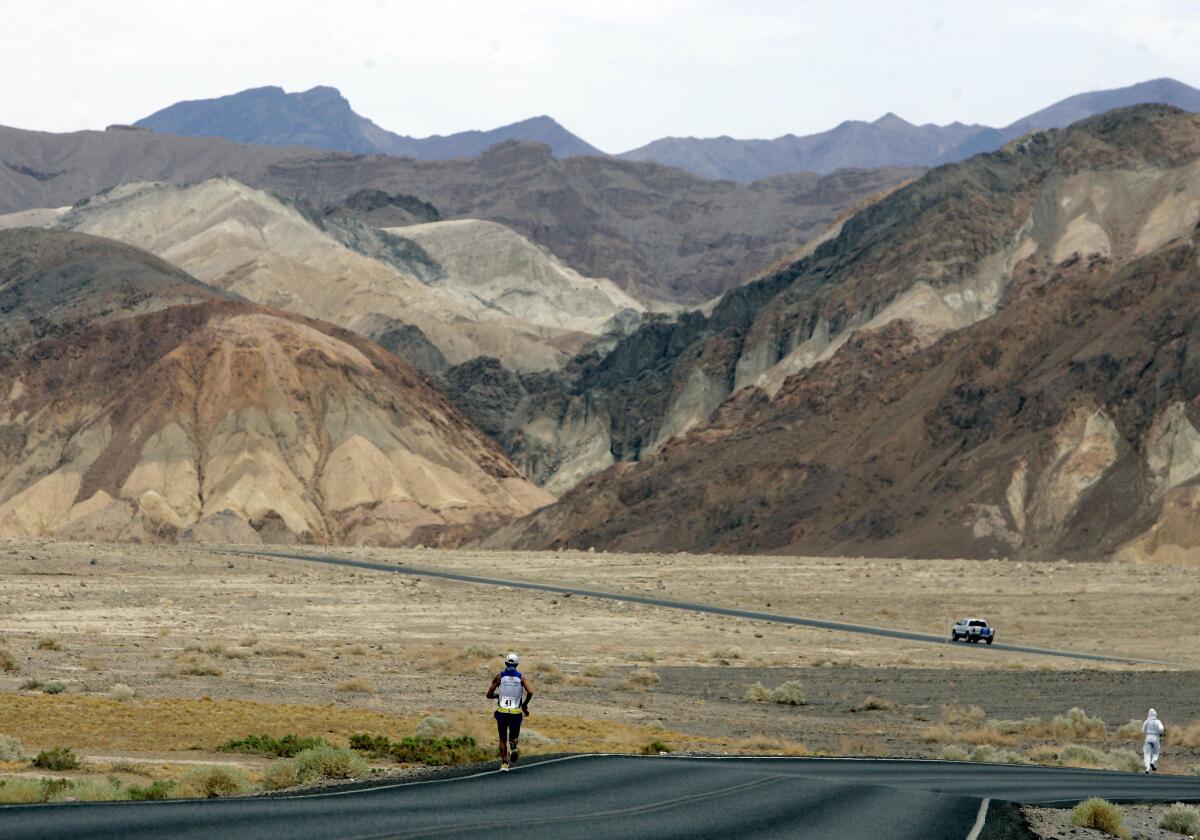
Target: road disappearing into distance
[{"x": 665, "y": 603}]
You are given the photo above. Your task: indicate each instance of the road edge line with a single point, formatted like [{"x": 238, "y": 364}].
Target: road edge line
[{"x": 980, "y": 819}]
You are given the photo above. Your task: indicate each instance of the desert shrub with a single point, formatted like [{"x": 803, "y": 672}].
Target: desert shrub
[
  {"x": 594, "y": 671},
  {"x": 326, "y": 762},
  {"x": 1076, "y": 724},
  {"x": 758, "y": 693},
  {"x": 281, "y": 774},
  {"x": 286, "y": 747},
  {"x": 988, "y": 754},
  {"x": 788, "y": 694},
  {"x": 211, "y": 782},
  {"x": 194, "y": 664},
  {"x": 1131, "y": 731},
  {"x": 357, "y": 685},
  {"x": 654, "y": 748},
  {"x": 7, "y": 663},
  {"x": 1016, "y": 727},
  {"x": 433, "y": 727},
  {"x": 31, "y": 684},
  {"x": 59, "y": 758},
  {"x": 432, "y": 751},
  {"x": 1182, "y": 819},
  {"x": 874, "y": 704},
  {"x": 53, "y": 688},
  {"x": 1124, "y": 762},
  {"x": 94, "y": 664},
  {"x": 158, "y": 789},
  {"x": 48, "y": 644},
  {"x": 958, "y": 715},
  {"x": 643, "y": 679},
  {"x": 21, "y": 791},
  {"x": 1183, "y": 736},
  {"x": 1077, "y": 755},
  {"x": 121, "y": 692},
  {"x": 955, "y": 753},
  {"x": 280, "y": 651},
  {"x": 548, "y": 674},
  {"x": 94, "y": 790},
  {"x": 726, "y": 654},
  {"x": 237, "y": 653},
  {"x": 11, "y": 749},
  {"x": 639, "y": 656},
  {"x": 1102, "y": 815},
  {"x": 480, "y": 652}
]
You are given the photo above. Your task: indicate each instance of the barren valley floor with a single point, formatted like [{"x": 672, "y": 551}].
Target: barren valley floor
[{"x": 217, "y": 646}]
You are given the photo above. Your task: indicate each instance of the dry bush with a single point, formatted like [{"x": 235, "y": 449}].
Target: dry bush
[
  {"x": 594, "y": 671},
  {"x": 770, "y": 746},
  {"x": 1182, "y": 736},
  {"x": 480, "y": 652},
  {"x": 326, "y": 762},
  {"x": 1077, "y": 726},
  {"x": 281, "y": 774},
  {"x": 987, "y": 754},
  {"x": 639, "y": 656},
  {"x": 357, "y": 650},
  {"x": 1102, "y": 815},
  {"x": 548, "y": 675},
  {"x": 1182, "y": 819},
  {"x": 121, "y": 692},
  {"x": 95, "y": 790},
  {"x": 727, "y": 654},
  {"x": 48, "y": 644},
  {"x": 758, "y": 693},
  {"x": 94, "y": 664},
  {"x": 954, "y": 752},
  {"x": 248, "y": 641},
  {"x": 21, "y": 791},
  {"x": 197, "y": 665},
  {"x": 8, "y": 664},
  {"x": 11, "y": 749},
  {"x": 430, "y": 727},
  {"x": 643, "y": 679},
  {"x": 211, "y": 782},
  {"x": 791, "y": 693},
  {"x": 211, "y": 648},
  {"x": 874, "y": 704},
  {"x": 238, "y": 652},
  {"x": 958, "y": 715},
  {"x": 357, "y": 685},
  {"x": 859, "y": 745}
]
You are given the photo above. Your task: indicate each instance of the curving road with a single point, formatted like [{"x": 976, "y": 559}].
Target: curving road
[
  {"x": 630, "y": 796},
  {"x": 820, "y": 623}
]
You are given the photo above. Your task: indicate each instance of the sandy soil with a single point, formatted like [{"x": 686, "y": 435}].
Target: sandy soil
[
  {"x": 282, "y": 631},
  {"x": 1141, "y": 820}
]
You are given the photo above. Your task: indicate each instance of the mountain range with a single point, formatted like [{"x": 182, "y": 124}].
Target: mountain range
[
  {"x": 994, "y": 360},
  {"x": 659, "y": 233},
  {"x": 322, "y": 118}
]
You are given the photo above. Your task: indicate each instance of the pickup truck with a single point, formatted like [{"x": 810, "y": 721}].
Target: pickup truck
[{"x": 972, "y": 630}]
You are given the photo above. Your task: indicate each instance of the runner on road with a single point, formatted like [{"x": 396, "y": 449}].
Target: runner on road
[
  {"x": 1152, "y": 728},
  {"x": 512, "y": 692}
]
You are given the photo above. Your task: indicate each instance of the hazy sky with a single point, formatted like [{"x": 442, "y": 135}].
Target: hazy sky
[{"x": 617, "y": 73}]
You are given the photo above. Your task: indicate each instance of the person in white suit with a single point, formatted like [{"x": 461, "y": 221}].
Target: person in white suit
[{"x": 1152, "y": 730}]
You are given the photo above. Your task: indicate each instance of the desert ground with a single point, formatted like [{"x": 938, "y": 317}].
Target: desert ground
[{"x": 163, "y": 653}]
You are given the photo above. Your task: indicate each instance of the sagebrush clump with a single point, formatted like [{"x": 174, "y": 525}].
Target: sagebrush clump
[
  {"x": 286, "y": 747},
  {"x": 326, "y": 762},
  {"x": 11, "y": 749},
  {"x": 1184, "y": 819},
  {"x": 59, "y": 758},
  {"x": 212, "y": 782},
  {"x": 435, "y": 752},
  {"x": 282, "y": 774},
  {"x": 1102, "y": 815},
  {"x": 791, "y": 693}
]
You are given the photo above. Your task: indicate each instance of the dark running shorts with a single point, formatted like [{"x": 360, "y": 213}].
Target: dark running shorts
[{"x": 508, "y": 725}]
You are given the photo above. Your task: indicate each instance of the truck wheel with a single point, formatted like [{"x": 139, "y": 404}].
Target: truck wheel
[{"x": 988, "y": 640}]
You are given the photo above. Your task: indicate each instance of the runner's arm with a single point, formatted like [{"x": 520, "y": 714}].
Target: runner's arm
[
  {"x": 491, "y": 692},
  {"x": 528, "y": 694}
]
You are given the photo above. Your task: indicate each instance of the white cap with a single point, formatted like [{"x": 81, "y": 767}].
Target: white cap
[{"x": 511, "y": 659}]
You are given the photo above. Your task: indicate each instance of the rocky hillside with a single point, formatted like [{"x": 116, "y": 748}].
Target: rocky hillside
[
  {"x": 472, "y": 288},
  {"x": 148, "y": 407},
  {"x": 322, "y": 119},
  {"x": 994, "y": 360},
  {"x": 659, "y": 233}
]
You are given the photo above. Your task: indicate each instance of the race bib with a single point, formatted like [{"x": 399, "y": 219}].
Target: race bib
[{"x": 509, "y": 703}]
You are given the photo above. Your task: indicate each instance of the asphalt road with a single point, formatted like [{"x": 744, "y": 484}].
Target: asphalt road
[
  {"x": 820, "y": 623},
  {"x": 627, "y": 796}
]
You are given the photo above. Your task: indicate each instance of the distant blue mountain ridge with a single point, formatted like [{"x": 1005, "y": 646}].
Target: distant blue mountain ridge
[{"x": 322, "y": 118}]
